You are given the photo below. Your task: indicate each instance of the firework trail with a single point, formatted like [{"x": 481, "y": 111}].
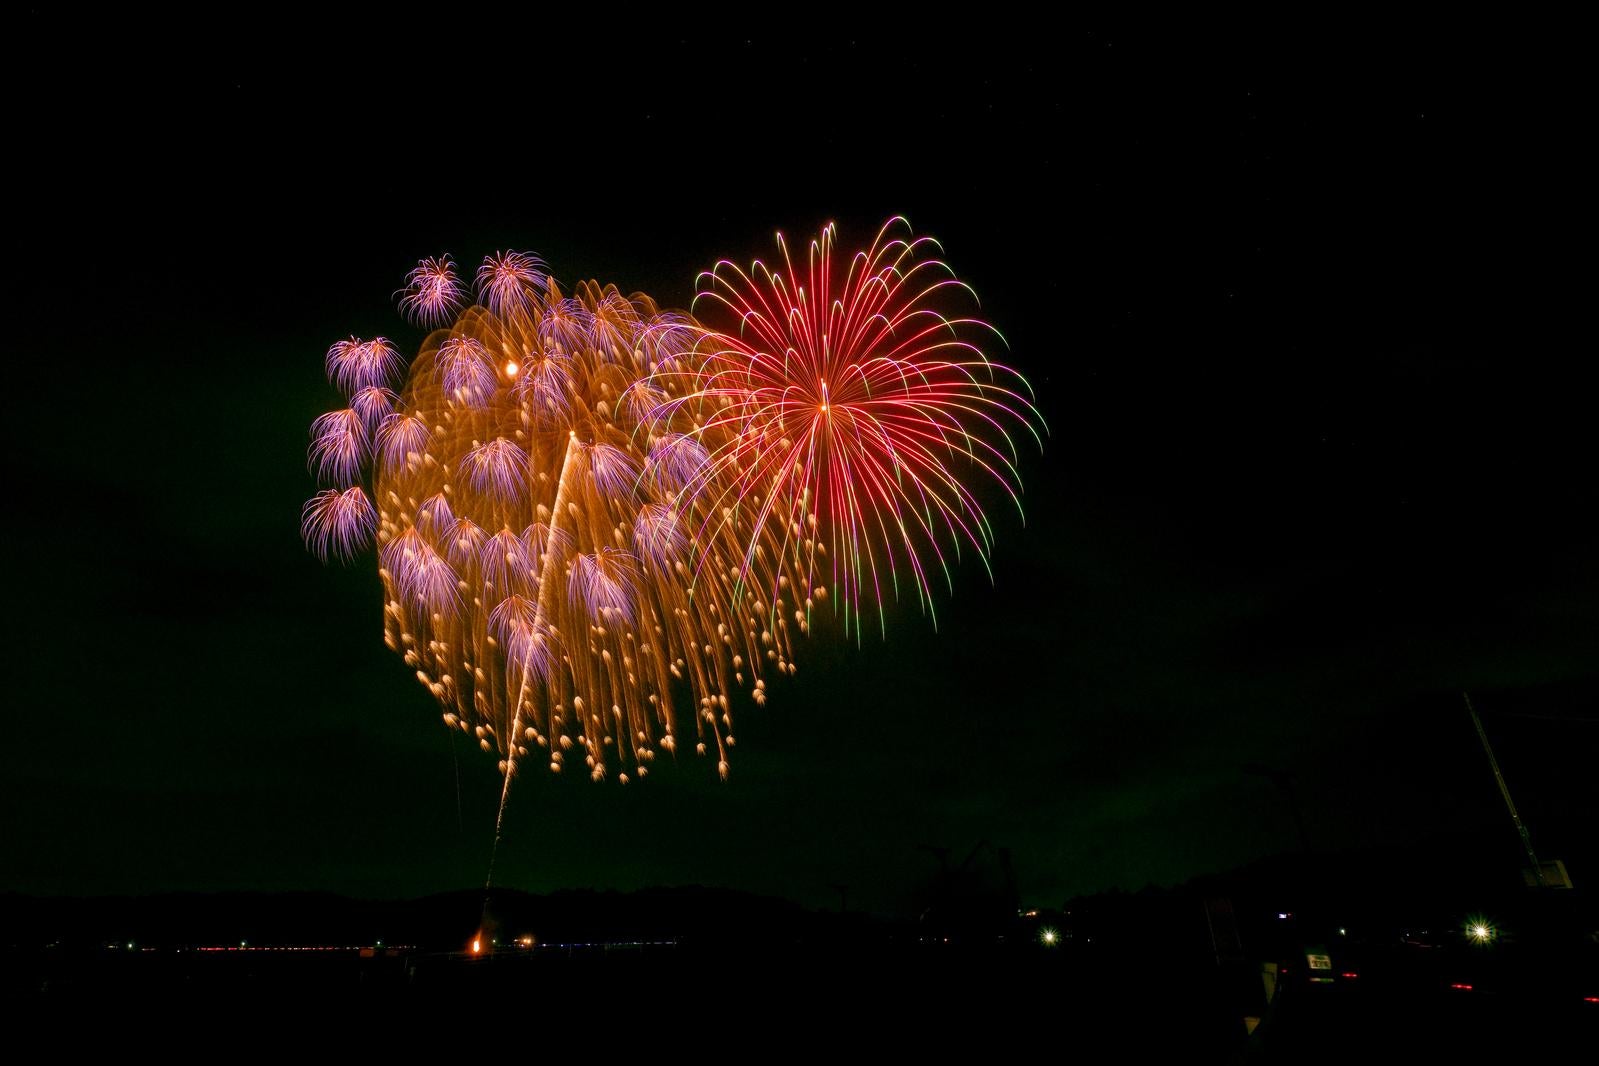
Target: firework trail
[{"x": 584, "y": 504}]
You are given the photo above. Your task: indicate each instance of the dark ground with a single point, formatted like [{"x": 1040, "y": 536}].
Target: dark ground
[{"x": 1131, "y": 972}]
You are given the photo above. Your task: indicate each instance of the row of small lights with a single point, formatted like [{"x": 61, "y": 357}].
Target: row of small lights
[
  {"x": 476, "y": 947},
  {"x": 245, "y": 946},
  {"x": 1478, "y": 930}
]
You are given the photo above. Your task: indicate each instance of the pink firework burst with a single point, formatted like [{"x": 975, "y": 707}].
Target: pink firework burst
[
  {"x": 355, "y": 364},
  {"x": 436, "y": 517},
  {"x": 373, "y": 404},
  {"x": 614, "y": 471},
  {"x": 463, "y": 541},
  {"x": 509, "y": 282},
  {"x": 338, "y": 446},
  {"x": 505, "y": 565},
  {"x": 545, "y": 383},
  {"x": 524, "y": 637},
  {"x": 658, "y": 536},
  {"x": 402, "y": 440},
  {"x": 338, "y": 524},
  {"x": 677, "y": 461},
  {"x": 497, "y": 469},
  {"x": 466, "y": 371},
  {"x": 432, "y": 293},
  {"x": 602, "y": 581},
  {"x": 421, "y": 575},
  {"x": 565, "y": 325}
]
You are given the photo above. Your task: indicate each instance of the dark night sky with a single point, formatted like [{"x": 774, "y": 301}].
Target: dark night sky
[{"x": 1304, "y": 481}]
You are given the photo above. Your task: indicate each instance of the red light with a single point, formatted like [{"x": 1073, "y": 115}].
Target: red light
[
  {"x": 1463, "y": 988},
  {"x": 1590, "y": 999},
  {"x": 1351, "y": 975}
]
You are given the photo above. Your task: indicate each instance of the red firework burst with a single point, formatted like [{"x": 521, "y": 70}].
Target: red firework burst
[{"x": 860, "y": 408}]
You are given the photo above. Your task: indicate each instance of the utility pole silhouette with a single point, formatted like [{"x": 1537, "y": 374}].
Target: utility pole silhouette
[{"x": 1504, "y": 790}]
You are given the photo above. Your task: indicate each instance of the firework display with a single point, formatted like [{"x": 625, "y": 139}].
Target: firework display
[{"x": 592, "y": 514}]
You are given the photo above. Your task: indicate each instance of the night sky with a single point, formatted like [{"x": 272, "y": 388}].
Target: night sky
[{"x": 1303, "y": 481}]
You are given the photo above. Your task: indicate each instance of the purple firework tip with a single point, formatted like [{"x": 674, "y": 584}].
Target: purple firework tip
[
  {"x": 433, "y": 293},
  {"x": 642, "y": 403},
  {"x": 504, "y": 563},
  {"x": 545, "y": 385},
  {"x": 659, "y": 537},
  {"x": 497, "y": 469},
  {"x": 466, "y": 371},
  {"x": 509, "y": 281},
  {"x": 668, "y": 337},
  {"x": 613, "y": 325},
  {"x": 466, "y": 539},
  {"x": 338, "y": 523},
  {"x": 421, "y": 576},
  {"x": 602, "y": 583},
  {"x": 373, "y": 403},
  {"x": 615, "y": 473},
  {"x": 356, "y": 364},
  {"x": 436, "y": 518},
  {"x": 677, "y": 461},
  {"x": 338, "y": 446},
  {"x": 565, "y": 326},
  {"x": 400, "y": 439},
  {"x": 525, "y": 640}
]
